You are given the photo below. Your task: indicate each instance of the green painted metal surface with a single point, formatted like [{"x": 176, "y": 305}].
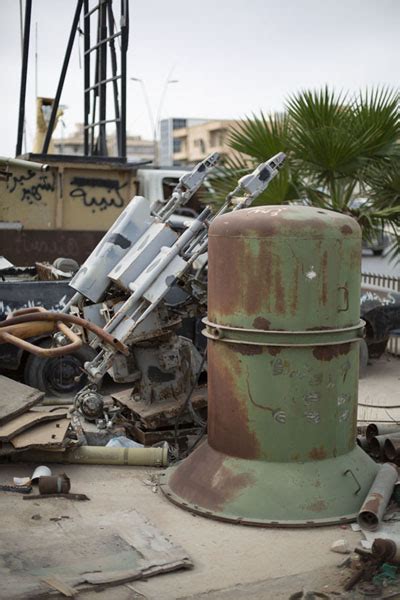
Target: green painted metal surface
[{"x": 283, "y": 325}]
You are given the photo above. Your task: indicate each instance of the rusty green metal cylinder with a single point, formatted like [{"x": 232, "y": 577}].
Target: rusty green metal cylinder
[{"x": 283, "y": 331}]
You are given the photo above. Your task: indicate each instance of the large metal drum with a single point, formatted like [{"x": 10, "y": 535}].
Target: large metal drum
[{"x": 283, "y": 328}]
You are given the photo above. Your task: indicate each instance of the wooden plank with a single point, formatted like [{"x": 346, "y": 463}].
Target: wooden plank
[
  {"x": 26, "y": 421},
  {"x": 16, "y": 398},
  {"x": 45, "y": 434}
]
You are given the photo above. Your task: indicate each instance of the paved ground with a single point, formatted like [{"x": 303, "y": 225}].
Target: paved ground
[{"x": 230, "y": 562}]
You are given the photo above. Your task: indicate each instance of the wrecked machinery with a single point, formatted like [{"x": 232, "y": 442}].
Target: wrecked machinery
[{"x": 130, "y": 297}]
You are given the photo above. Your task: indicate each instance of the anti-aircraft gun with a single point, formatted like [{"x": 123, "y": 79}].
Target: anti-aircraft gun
[{"x": 121, "y": 304}]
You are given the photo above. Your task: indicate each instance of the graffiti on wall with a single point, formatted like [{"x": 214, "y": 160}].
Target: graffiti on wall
[
  {"x": 31, "y": 186},
  {"x": 97, "y": 193}
]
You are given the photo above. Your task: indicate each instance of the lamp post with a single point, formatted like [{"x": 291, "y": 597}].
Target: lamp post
[{"x": 154, "y": 122}]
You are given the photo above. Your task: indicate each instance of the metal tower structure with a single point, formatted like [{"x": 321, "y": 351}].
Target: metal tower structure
[{"x": 105, "y": 49}]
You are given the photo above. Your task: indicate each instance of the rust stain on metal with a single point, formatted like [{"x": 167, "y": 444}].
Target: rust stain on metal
[
  {"x": 261, "y": 323},
  {"x": 373, "y": 503},
  {"x": 228, "y": 418},
  {"x": 295, "y": 289},
  {"x": 279, "y": 289},
  {"x": 247, "y": 349},
  {"x": 246, "y": 223},
  {"x": 327, "y": 353},
  {"x": 256, "y": 277},
  {"x": 317, "y": 453},
  {"x": 223, "y": 282},
  {"x": 205, "y": 465},
  {"x": 324, "y": 291},
  {"x": 274, "y": 350},
  {"x": 346, "y": 230}
]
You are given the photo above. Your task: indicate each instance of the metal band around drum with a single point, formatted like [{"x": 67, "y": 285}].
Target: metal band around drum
[{"x": 261, "y": 337}]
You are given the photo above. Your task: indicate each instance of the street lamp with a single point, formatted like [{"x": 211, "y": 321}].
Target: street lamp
[{"x": 154, "y": 122}]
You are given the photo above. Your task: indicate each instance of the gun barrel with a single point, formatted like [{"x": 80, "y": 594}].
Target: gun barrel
[{"x": 27, "y": 164}]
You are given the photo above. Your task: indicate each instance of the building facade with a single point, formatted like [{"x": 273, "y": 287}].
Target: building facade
[
  {"x": 169, "y": 143},
  {"x": 137, "y": 149},
  {"x": 187, "y": 141}
]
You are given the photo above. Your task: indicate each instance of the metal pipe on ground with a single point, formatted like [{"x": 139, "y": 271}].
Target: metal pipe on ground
[
  {"x": 378, "y": 497},
  {"x": 54, "y": 484},
  {"x": 375, "y": 429},
  {"x": 391, "y": 447},
  {"x": 363, "y": 442},
  {"x": 99, "y": 455},
  {"x": 376, "y": 445},
  {"x": 385, "y": 550}
]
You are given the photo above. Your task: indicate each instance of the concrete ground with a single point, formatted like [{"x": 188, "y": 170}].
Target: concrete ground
[{"x": 230, "y": 561}]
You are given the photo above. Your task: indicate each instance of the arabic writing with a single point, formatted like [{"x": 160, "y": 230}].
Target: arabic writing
[
  {"x": 31, "y": 186},
  {"x": 86, "y": 189}
]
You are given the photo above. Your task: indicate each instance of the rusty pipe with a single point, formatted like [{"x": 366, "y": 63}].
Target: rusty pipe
[
  {"x": 385, "y": 550},
  {"x": 391, "y": 447},
  {"x": 65, "y": 318},
  {"x": 29, "y": 330},
  {"x": 26, "y": 311},
  {"x": 378, "y": 497},
  {"x": 374, "y": 429},
  {"x": 75, "y": 344}
]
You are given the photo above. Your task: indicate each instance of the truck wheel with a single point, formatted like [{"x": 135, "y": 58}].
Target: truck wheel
[{"x": 60, "y": 375}]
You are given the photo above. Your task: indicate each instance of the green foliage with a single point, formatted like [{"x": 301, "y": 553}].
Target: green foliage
[{"x": 339, "y": 148}]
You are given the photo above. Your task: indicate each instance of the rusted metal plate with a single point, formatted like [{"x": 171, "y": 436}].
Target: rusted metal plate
[
  {"x": 28, "y": 420},
  {"x": 46, "y": 435},
  {"x": 83, "y": 555},
  {"x": 16, "y": 398}
]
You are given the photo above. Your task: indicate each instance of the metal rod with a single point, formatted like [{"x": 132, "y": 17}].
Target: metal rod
[
  {"x": 67, "y": 56},
  {"x": 93, "y": 10},
  {"x": 86, "y": 69},
  {"x": 114, "y": 78},
  {"x": 96, "y": 123},
  {"x": 101, "y": 140},
  {"x": 103, "y": 41},
  {"x": 24, "y": 73},
  {"x": 96, "y": 85},
  {"x": 124, "y": 50}
]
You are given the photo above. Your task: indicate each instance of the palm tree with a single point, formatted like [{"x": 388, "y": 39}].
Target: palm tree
[{"x": 339, "y": 148}]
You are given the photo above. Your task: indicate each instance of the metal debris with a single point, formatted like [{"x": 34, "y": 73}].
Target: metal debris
[{"x": 378, "y": 497}]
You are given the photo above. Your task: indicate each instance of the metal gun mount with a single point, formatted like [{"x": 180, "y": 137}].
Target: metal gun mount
[{"x": 126, "y": 294}]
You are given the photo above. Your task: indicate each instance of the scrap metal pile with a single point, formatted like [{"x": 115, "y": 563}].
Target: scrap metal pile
[{"x": 133, "y": 293}]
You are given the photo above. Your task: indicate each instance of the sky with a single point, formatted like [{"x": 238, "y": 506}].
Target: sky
[{"x": 231, "y": 58}]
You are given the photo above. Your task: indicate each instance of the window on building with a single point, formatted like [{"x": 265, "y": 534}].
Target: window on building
[
  {"x": 177, "y": 146},
  {"x": 178, "y": 123},
  {"x": 217, "y": 138}
]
